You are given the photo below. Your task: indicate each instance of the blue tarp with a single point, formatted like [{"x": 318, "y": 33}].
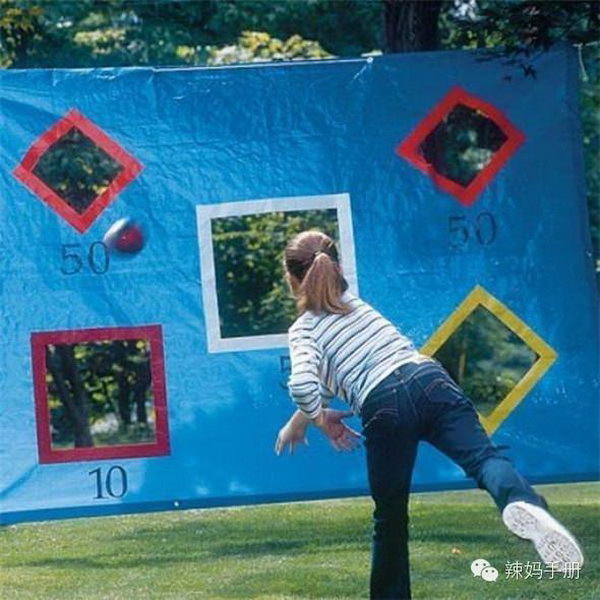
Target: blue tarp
[{"x": 212, "y": 142}]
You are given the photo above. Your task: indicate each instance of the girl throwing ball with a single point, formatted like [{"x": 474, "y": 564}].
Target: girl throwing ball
[{"x": 341, "y": 346}]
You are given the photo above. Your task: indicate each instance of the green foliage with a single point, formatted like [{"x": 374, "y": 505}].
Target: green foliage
[
  {"x": 116, "y": 398},
  {"x": 77, "y": 169},
  {"x": 256, "y": 46},
  {"x": 253, "y": 297},
  {"x": 520, "y": 27},
  {"x": 63, "y": 33},
  {"x": 485, "y": 358},
  {"x": 19, "y": 23}
]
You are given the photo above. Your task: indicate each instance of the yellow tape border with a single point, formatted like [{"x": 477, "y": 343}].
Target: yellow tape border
[{"x": 546, "y": 354}]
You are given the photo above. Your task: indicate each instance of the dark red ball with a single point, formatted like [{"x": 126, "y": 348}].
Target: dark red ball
[{"x": 126, "y": 236}]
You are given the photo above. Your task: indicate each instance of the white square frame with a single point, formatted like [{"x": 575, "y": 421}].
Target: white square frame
[{"x": 204, "y": 215}]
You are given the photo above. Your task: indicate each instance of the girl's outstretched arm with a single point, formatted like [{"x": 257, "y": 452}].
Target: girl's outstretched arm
[
  {"x": 311, "y": 397},
  {"x": 340, "y": 435},
  {"x": 292, "y": 433},
  {"x": 329, "y": 422}
]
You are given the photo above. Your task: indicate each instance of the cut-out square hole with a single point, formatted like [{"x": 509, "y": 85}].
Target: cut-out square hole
[
  {"x": 462, "y": 144},
  {"x": 486, "y": 359},
  {"x": 76, "y": 169},
  {"x": 100, "y": 394},
  {"x": 247, "y": 302},
  {"x": 491, "y": 353},
  {"x": 252, "y": 293}
]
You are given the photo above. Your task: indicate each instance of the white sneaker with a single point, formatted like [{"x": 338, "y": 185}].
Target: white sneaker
[{"x": 552, "y": 541}]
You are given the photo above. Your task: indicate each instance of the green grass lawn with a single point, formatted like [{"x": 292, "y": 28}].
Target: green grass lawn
[{"x": 296, "y": 550}]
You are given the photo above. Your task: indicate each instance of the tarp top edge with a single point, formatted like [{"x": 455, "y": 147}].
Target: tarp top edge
[{"x": 556, "y": 48}]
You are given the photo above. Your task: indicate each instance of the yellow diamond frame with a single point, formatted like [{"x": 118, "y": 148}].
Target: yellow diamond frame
[{"x": 547, "y": 355}]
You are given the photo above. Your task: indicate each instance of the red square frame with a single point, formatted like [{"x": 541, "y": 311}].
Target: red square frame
[
  {"x": 80, "y": 221},
  {"x": 39, "y": 341},
  {"x": 466, "y": 195}
]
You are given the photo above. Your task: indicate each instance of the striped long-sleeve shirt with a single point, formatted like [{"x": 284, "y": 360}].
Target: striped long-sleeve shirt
[{"x": 343, "y": 355}]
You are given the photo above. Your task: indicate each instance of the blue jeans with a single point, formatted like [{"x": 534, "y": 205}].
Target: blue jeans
[{"x": 420, "y": 401}]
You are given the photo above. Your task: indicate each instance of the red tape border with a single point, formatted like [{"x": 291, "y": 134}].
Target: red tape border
[
  {"x": 39, "y": 341},
  {"x": 80, "y": 221},
  {"x": 409, "y": 147}
]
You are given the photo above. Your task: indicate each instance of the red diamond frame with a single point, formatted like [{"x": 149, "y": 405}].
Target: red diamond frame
[
  {"x": 466, "y": 195},
  {"x": 80, "y": 221},
  {"x": 39, "y": 341}
]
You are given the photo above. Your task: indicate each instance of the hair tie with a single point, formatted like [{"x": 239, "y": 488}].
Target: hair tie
[{"x": 316, "y": 253}]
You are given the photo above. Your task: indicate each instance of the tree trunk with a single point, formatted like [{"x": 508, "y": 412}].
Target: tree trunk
[
  {"x": 140, "y": 388},
  {"x": 122, "y": 377},
  {"x": 124, "y": 399},
  {"x": 411, "y": 25},
  {"x": 462, "y": 361},
  {"x": 61, "y": 364}
]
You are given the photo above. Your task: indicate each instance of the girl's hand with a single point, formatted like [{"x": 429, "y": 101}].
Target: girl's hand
[
  {"x": 291, "y": 434},
  {"x": 340, "y": 435}
]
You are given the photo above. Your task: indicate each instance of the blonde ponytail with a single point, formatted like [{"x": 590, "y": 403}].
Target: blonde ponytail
[{"x": 312, "y": 258}]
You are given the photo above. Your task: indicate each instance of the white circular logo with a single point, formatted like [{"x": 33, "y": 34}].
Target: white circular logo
[
  {"x": 489, "y": 574},
  {"x": 478, "y": 565}
]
